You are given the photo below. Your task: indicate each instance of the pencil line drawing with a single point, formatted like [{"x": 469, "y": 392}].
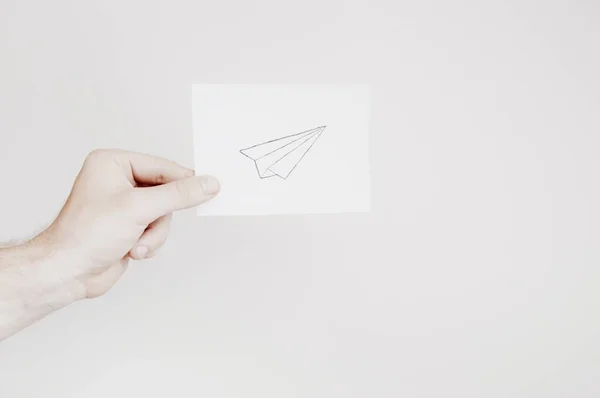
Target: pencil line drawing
[{"x": 280, "y": 156}]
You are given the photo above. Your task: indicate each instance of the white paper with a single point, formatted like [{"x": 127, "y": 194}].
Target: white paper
[{"x": 283, "y": 149}]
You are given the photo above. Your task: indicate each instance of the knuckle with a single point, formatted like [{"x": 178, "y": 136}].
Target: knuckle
[
  {"x": 182, "y": 189},
  {"x": 98, "y": 154},
  {"x": 93, "y": 156}
]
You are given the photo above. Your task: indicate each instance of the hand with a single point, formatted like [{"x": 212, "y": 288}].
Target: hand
[{"x": 120, "y": 208}]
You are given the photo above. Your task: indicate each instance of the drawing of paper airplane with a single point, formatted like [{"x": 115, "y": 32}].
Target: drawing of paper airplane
[{"x": 279, "y": 157}]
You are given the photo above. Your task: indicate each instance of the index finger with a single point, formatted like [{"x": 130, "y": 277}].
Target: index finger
[{"x": 153, "y": 170}]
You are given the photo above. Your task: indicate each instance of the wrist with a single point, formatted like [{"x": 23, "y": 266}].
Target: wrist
[{"x": 33, "y": 283}]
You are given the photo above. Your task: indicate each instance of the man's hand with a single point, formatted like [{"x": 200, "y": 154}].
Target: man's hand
[{"x": 119, "y": 209}]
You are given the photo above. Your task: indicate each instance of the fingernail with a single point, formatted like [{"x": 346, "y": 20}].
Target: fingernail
[
  {"x": 142, "y": 251},
  {"x": 210, "y": 185}
]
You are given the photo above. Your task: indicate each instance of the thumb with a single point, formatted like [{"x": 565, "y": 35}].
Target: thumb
[{"x": 154, "y": 202}]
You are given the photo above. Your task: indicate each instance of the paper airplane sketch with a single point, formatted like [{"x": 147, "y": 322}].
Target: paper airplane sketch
[{"x": 279, "y": 157}]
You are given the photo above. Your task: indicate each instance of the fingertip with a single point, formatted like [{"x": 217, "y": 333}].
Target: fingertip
[
  {"x": 139, "y": 252},
  {"x": 210, "y": 185}
]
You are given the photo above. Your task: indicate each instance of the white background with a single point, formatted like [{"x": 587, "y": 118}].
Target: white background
[
  {"x": 333, "y": 177},
  {"x": 476, "y": 274}
]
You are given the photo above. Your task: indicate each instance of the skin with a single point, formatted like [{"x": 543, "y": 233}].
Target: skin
[{"x": 119, "y": 209}]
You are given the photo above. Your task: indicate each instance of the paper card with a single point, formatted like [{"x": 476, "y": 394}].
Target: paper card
[{"x": 283, "y": 149}]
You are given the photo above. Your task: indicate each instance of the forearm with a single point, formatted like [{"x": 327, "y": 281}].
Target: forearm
[{"x": 33, "y": 285}]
